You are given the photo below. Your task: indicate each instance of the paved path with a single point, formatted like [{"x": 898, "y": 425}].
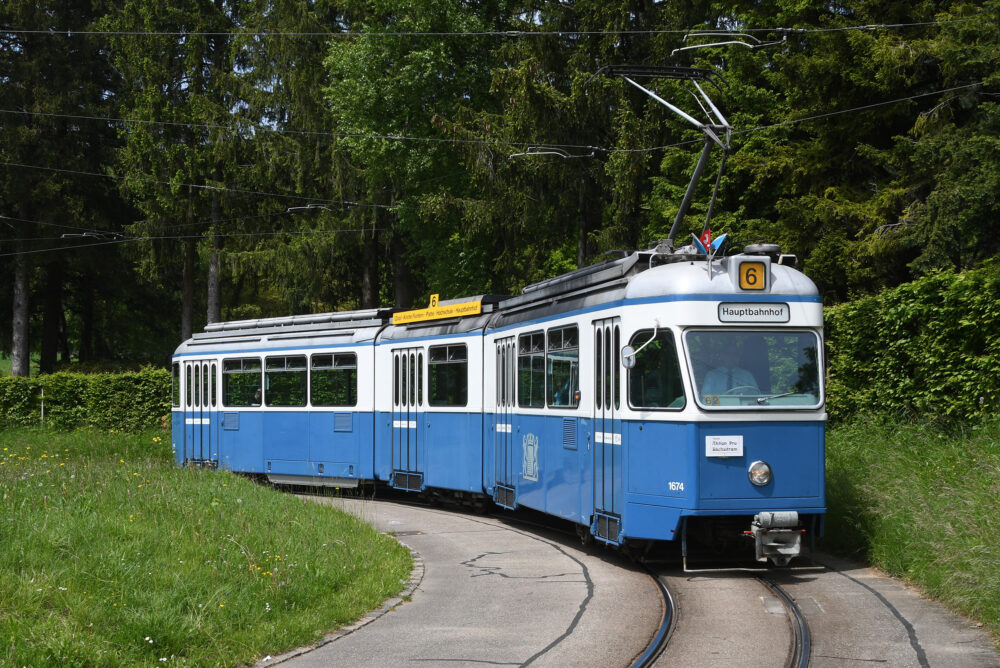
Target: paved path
[
  {"x": 491, "y": 591},
  {"x": 499, "y": 594}
]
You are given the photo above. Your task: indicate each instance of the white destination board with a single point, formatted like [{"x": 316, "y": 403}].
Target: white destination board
[
  {"x": 724, "y": 446},
  {"x": 751, "y": 312}
]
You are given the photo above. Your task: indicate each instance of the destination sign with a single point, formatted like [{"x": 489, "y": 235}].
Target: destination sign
[
  {"x": 751, "y": 312},
  {"x": 437, "y": 312}
]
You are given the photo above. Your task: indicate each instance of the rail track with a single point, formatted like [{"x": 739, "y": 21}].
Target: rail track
[
  {"x": 827, "y": 613},
  {"x": 801, "y": 646}
]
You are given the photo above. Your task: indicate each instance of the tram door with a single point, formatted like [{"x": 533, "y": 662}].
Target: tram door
[
  {"x": 201, "y": 445},
  {"x": 407, "y": 397},
  {"x": 503, "y": 438},
  {"x": 607, "y": 436}
]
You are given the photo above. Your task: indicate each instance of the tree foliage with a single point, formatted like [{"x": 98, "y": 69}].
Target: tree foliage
[
  {"x": 919, "y": 349},
  {"x": 277, "y": 156}
]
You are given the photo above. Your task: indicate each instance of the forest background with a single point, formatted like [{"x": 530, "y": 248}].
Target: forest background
[{"x": 162, "y": 167}]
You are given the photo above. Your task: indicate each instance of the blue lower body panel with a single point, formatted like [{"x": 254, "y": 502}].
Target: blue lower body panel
[
  {"x": 660, "y": 472},
  {"x": 327, "y": 444},
  {"x": 444, "y": 450},
  {"x": 542, "y": 461},
  {"x": 671, "y": 475}
]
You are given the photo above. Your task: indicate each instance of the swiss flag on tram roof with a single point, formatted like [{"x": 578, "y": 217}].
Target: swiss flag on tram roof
[{"x": 706, "y": 238}]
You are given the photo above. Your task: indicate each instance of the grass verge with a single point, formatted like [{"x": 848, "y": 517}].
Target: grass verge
[
  {"x": 111, "y": 555},
  {"x": 920, "y": 503}
]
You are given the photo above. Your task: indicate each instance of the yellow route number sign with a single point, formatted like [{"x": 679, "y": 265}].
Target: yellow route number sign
[{"x": 753, "y": 276}]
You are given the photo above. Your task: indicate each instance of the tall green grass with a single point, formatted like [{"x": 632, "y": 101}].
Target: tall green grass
[
  {"x": 922, "y": 503},
  {"x": 111, "y": 555}
]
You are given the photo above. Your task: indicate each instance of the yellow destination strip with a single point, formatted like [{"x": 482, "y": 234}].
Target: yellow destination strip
[{"x": 437, "y": 312}]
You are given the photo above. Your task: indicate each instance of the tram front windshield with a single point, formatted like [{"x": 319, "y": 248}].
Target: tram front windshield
[{"x": 754, "y": 369}]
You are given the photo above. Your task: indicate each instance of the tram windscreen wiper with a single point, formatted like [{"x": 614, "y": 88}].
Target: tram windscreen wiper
[{"x": 763, "y": 400}]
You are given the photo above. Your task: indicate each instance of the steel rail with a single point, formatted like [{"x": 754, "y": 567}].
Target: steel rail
[
  {"x": 667, "y": 624},
  {"x": 801, "y": 639}
]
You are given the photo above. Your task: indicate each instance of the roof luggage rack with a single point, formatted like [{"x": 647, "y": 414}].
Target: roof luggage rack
[{"x": 346, "y": 320}]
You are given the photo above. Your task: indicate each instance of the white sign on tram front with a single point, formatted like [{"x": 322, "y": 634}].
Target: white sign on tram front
[
  {"x": 750, "y": 312},
  {"x": 724, "y": 446}
]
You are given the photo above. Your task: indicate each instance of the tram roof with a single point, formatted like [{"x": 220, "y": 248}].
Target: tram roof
[
  {"x": 317, "y": 329},
  {"x": 636, "y": 274}
]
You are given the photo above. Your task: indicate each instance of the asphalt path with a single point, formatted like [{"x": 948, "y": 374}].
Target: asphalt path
[
  {"x": 496, "y": 593},
  {"x": 490, "y": 590}
]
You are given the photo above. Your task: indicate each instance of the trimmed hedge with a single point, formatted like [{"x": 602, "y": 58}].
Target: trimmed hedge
[
  {"x": 928, "y": 348},
  {"x": 130, "y": 401}
]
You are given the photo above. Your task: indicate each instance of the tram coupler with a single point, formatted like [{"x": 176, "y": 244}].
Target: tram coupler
[{"x": 777, "y": 536}]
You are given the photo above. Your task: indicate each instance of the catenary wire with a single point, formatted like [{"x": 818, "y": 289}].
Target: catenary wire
[
  {"x": 53, "y": 32},
  {"x": 227, "y": 235}
]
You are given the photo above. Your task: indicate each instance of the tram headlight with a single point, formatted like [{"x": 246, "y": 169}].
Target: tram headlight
[{"x": 759, "y": 473}]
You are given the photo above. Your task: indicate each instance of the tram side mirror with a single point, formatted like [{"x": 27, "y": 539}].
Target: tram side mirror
[{"x": 628, "y": 357}]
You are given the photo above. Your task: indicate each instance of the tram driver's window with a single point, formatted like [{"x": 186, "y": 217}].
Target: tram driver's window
[
  {"x": 655, "y": 380},
  {"x": 448, "y": 375}
]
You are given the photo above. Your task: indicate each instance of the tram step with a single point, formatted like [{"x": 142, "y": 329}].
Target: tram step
[
  {"x": 408, "y": 481},
  {"x": 504, "y": 496}
]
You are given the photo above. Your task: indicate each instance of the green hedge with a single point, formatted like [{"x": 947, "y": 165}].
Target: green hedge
[
  {"x": 928, "y": 348},
  {"x": 127, "y": 401}
]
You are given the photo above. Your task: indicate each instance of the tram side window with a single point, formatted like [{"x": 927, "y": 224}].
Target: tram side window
[
  {"x": 334, "y": 380},
  {"x": 655, "y": 380},
  {"x": 241, "y": 382},
  {"x": 175, "y": 386},
  {"x": 563, "y": 367},
  {"x": 285, "y": 381},
  {"x": 531, "y": 370},
  {"x": 215, "y": 386},
  {"x": 448, "y": 375}
]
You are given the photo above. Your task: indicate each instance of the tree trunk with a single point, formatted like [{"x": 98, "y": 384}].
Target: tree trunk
[
  {"x": 20, "y": 358},
  {"x": 402, "y": 276},
  {"x": 51, "y": 317},
  {"x": 214, "y": 288},
  {"x": 581, "y": 230},
  {"x": 369, "y": 268},
  {"x": 86, "y": 353},
  {"x": 187, "y": 291},
  {"x": 64, "y": 351}
]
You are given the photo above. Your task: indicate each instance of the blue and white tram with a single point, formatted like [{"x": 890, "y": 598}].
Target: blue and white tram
[
  {"x": 649, "y": 397},
  {"x": 283, "y": 397}
]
